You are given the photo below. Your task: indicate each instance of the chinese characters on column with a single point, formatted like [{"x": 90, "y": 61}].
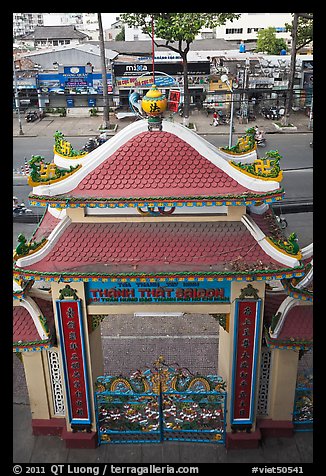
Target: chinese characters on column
[
  {"x": 245, "y": 342},
  {"x": 73, "y": 353}
]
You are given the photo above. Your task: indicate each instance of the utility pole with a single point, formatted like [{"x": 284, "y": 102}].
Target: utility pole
[
  {"x": 289, "y": 93},
  {"x": 106, "y": 119},
  {"x": 17, "y": 102}
]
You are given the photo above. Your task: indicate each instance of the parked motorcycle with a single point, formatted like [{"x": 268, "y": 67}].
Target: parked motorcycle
[
  {"x": 223, "y": 118},
  {"x": 31, "y": 116},
  {"x": 90, "y": 145},
  {"x": 282, "y": 221},
  {"x": 21, "y": 210},
  {"x": 272, "y": 112}
]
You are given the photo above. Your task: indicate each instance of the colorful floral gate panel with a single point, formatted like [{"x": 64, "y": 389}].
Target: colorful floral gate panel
[
  {"x": 166, "y": 403},
  {"x": 303, "y": 412}
]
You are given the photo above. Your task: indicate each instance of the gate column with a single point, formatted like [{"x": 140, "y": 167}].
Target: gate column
[
  {"x": 239, "y": 362},
  {"x": 282, "y": 392},
  {"x": 74, "y": 348}
]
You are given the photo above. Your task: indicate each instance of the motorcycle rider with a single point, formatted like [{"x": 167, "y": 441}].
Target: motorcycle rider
[{"x": 259, "y": 135}]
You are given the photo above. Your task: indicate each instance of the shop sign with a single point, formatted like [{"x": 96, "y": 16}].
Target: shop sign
[
  {"x": 172, "y": 68},
  {"x": 71, "y": 331},
  {"x": 144, "y": 81},
  {"x": 157, "y": 290},
  {"x": 245, "y": 357},
  {"x": 86, "y": 84}
]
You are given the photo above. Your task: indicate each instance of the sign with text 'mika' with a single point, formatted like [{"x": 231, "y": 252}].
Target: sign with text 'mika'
[
  {"x": 245, "y": 356},
  {"x": 71, "y": 331},
  {"x": 157, "y": 290}
]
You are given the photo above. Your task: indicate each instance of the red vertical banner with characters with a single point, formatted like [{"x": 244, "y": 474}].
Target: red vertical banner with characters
[
  {"x": 173, "y": 101},
  {"x": 245, "y": 355},
  {"x": 71, "y": 331}
]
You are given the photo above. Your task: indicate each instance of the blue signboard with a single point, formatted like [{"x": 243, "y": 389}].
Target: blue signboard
[
  {"x": 158, "y": 290},
  {"x": 72, "y": 81}
]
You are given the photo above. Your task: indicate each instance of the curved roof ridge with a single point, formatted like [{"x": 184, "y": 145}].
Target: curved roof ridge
[{"x": 130, "y": 136}]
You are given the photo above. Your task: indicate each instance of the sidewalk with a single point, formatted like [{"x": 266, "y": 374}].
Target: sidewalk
[{"x": 89, "y": 126}]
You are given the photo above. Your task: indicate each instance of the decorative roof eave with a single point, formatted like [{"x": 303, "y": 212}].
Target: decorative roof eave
[
  {"x": 103, "y": 152},
  {"x": 34, "y": 346},
  {"x": 257, "y": 275},
  {"x": 291, "y": 344},
  {"x": 135, "y": 202},
  {"x": 276, "y": 252},
  {"x": 36, "y": 314},
  {"x": 296, "y": 293}
]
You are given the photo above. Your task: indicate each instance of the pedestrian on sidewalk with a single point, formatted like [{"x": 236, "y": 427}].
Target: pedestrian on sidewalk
[{"x": 215, "y": 119}]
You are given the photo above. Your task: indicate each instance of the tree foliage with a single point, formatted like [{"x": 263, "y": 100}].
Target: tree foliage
[
  {"x": 178, "y": 30},
  {"x": 304, "y": 30},
  {"x": 176, "y": 27},
  {"x": 121, "y": 35},
  {"x": 268, "y": 43}
]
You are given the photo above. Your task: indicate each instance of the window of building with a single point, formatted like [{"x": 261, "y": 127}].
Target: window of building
[
  {"x": 232, "y": 31},
  {"x": 55, "y": 42},
  {"x": 67, "y": 42},
  {"x": 252, "y": 30},
  {"x": 136, "y": 37}
]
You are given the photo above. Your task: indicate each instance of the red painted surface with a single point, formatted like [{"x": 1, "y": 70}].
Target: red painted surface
[
  {"x": 160, "y": 164},
  {"x": 245, "y": 341},
  {"x": 243, "y": 440},
  {"x": 275, "y": 428},
  {"x": 79, "y": 440},
  {"x": 118, "y": 247},
  {"x": 52, "y": 426},
  {"x": 72, "y": 333}
]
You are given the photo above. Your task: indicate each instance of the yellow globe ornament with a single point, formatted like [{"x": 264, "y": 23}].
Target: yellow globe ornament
[{"x": 154, "y": 102}]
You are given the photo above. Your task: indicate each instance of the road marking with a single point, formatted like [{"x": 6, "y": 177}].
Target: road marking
[{"x": 304, "y": 169}]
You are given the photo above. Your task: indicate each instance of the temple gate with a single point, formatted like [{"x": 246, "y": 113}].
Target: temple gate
[{"x": 157, "y": 219}]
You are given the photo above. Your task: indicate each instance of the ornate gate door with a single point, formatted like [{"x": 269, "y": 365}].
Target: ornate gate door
[{"x": 163, "y": 403}]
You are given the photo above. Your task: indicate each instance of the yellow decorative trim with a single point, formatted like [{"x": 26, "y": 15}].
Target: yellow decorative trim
[
  {"x": 298, "y": 256},
  {"x": 51, "y": 181},
  {"x": 238, "y": 154},
  {"x": 68, "y": 157},
  {"x": 31, "y": 252},
  {"x": 279, "y": 178}
]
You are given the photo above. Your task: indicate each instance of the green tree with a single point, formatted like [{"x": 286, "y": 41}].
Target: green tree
[
  {"x": 297, "y": 34},
  {"x": 268, "y": 43},
  {"x": 178, "y": 30},
  {"x": 121, "y": 35},
  {"x": 304, "y": 30}
]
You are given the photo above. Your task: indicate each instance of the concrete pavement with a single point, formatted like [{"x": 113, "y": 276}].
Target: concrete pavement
[{"x": 51, "y": 449}]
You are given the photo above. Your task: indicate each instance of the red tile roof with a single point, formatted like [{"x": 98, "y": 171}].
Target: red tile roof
[
  {"x": 159, "y": 164},
  {"x": 46, "y": 226},
  {"x": 23, "y": 326},
  {"x": 298, "y": 324},
  {"x": 155, "y": 247}
]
